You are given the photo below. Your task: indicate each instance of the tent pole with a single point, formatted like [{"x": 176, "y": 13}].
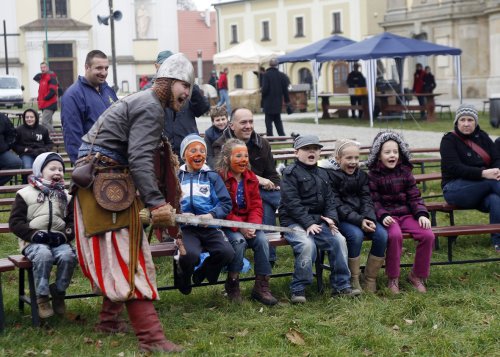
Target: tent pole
[{"x": 315, "y": 70}]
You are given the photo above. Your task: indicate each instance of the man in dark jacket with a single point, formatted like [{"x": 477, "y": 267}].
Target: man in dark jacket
[
  {"x": 274, "y": 88},
  {"x": 355, "y": 79},
  {"x": 47, "y": 94},
  {"x": 181, "y": 124},
  {"x": 8, "y": 160},
  {"x": 261, "y": 161}
]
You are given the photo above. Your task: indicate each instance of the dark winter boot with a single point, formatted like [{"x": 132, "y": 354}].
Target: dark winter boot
[
  {"x": 109, "y": 318},
  {"x": 232, "y": 287},
  {"x": 261, "y": 291},
  {"x": 58, "y": 304},
  {"x": 147, "y": 327}
]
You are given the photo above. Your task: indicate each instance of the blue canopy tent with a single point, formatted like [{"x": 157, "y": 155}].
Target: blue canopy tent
[
  {"x": 388, "y": 45},
  {"x": 311, "y": 52}
]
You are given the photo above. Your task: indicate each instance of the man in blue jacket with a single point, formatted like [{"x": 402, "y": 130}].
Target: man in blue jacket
[{"x": 84, "y": 101}]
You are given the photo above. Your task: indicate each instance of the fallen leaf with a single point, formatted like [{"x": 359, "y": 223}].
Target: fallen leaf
[
  {"x": 261, "y": 309},
  {"x": 435, "y": 327},
  {"x": 75, "y": 317},
  {"x": 409, "y": 322},
  {"x": 98, "y": 344},
  {"x": 115, "y": 343},
  {"x": 306, "y": 354},
  {"x": 88, "y": 340},
  {"x": 47, "y": 352},
  {"x": 405, "y": 349},
  {"x": 212, "y": 308},
  {"x": 496, "y": 275},
  {"x": 242, "y": 333},
  {"x": 121, "y": 354},
  {"x": 30, "y": 353},
  {"x": 367, "y": 352},
  {"x": 295, "y": 337},
  {"x": 395, "y": 328}
]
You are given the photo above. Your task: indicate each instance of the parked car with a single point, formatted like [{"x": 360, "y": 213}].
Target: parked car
[{"x": 11, "y": 92}]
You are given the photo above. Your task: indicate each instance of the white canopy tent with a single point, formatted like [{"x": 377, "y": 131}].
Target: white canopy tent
[{"x": 247, "y": 52}]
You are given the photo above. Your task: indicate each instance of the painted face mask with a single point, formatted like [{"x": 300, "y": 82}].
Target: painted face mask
[
  {"x": 195, "y": 155},
  {"x": 239, "y": 159}
]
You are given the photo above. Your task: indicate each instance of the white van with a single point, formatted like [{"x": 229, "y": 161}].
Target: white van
[{"x": 11, "y": 92}]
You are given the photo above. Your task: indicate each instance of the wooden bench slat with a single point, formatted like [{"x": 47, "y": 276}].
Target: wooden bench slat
[{"x": 6, "y": 265}]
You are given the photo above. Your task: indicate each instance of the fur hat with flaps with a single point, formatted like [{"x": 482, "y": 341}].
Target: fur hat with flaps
[{"x": 380, "y": 139}]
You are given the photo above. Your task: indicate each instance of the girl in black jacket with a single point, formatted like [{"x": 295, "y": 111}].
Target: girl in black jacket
[
  {"x": 356, "y": 212},
  {"x": 32, "y": 139}
]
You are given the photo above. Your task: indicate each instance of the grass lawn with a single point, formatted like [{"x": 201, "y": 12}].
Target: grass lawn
[{"x": 458, "y": 317}]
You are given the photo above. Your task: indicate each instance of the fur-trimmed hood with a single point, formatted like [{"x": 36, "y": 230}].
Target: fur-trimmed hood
[{"x": 380, "y": 139}]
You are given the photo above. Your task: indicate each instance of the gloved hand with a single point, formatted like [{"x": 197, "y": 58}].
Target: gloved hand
[
  {"x": 145, "y": 216},
  {"x": 163, "y": 216},
  {"x": 40, "y": 237},
  {"x": 56, "y": 239}
]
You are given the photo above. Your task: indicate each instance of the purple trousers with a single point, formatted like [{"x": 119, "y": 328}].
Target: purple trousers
[{"x": 425, "y": 239}]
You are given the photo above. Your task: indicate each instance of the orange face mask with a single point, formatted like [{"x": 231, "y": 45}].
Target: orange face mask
[
  {"x": 239, "y": 159},
  {"x": 195, "y": 155}
]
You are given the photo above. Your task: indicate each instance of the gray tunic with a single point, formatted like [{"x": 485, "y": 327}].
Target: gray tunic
[{"x": 132, "y": 127}]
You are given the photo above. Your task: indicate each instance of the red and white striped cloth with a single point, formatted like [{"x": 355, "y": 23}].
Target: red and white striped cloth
[{"x": 104, "y": 261}]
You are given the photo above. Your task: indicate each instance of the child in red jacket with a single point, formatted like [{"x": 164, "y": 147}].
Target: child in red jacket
[{"x": 243, "y": 187}]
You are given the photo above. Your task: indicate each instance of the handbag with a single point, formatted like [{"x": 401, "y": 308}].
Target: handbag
[
  {"x": 114, "y": 191},
  {"x": 83, "y": 174}
]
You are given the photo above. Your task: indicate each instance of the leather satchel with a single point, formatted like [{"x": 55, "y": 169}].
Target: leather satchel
[
  {"x": 83, "y": 174},
  {"x": 114, "y": 191}
]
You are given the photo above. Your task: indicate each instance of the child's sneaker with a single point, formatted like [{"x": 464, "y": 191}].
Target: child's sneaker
[
  {"x": 299, "y": 297},
  {"x": 58, "y": 303},
  {"x": 44, "y": 308},
  {"x": 417, "y": 283},
  {"x": 393, "y": 285},
  {"x": 346, "y": 292}
]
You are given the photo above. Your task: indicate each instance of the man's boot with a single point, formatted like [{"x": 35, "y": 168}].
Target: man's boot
[
  {"x": 109, "y": 318},
  {"x": 147, "y": 327},
  {"x": 373, "y": 265},
  {"x": 232, "y": 287},
  {"x": 261, "y": 291},
  {"x": 354, "y": 268}
]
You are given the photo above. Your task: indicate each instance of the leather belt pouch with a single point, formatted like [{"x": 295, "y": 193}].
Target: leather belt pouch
[{"x": 114, "y": 191}]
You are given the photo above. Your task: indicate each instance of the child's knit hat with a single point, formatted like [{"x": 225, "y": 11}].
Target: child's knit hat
[
  {"x": 191, "y": 138},
  {"x": 466, "y": 110},
  {"x": 43, "y": 159},
  {"x": 380, "y": 139}
]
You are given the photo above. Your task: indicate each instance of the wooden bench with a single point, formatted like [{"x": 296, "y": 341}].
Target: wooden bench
[{"x": 5, "y": 265}]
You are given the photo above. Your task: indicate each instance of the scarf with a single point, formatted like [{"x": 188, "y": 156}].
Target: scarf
[{"x": 51, "y": 189}]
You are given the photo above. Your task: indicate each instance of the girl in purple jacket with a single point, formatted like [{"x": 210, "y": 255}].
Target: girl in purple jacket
[{"x": 400, "y": 208}]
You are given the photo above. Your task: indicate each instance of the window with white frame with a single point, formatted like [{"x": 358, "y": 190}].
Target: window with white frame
[
  {"x": 53, "y": 8},
  {"x": 234, "y": 33},
  {"x": 336, "y": 22},
  {"x": 299, "y": 26},
  {"x": 265, "y": 31}
]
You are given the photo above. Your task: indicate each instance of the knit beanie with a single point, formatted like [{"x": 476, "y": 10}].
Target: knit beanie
[
  {"x": 191, "y": 138},
  {"x": 466, "y": 110},
  {"x": 43, "y": 159},
  {"x": 380, "y": 139}
]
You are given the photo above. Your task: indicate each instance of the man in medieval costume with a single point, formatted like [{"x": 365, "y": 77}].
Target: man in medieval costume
[{"x": 112, "y": 247}]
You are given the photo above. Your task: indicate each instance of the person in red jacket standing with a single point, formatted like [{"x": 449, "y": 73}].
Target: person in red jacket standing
[
  {"x": 418, "y": 86},
  {"x": 47, "y": 94},
  {"x": 223, "y": 91}
]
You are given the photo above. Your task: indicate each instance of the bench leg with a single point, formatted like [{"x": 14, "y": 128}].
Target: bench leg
[
  {"x": 320, "y": 258},
  {"x": 21, "y": 290},
  {"x": 434, "y": 224},
  {"x": 2, "y": 312},
  {"x": 451, "y": 240},
  {"x": 35, "y": 318}
]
